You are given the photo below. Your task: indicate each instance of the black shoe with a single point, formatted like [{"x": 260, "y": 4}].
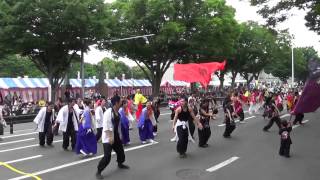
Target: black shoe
[
  {"x": 99, "y": 176},
  {"x": 65, "y": 149},
  {"x": 122, "y": 166},
  {"x": 265, "y": 130},
  {"x": 287, "y": 156},
  {"x": 183, "y": 155},
  {"x": 41, "y": 145},
  {"x": 204, "y": 146}
]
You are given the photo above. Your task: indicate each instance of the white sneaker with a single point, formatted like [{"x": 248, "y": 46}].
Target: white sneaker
[
  {"x": 174, "y": 139},
  {"x": 83, "y": 153},
  {"x": 150, "y": 141},
  {"x": 143, "y": 142},
  {"x": 155, "y": 134}
]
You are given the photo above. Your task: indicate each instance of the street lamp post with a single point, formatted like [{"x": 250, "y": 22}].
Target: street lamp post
[{"x": 292, "y": 62}]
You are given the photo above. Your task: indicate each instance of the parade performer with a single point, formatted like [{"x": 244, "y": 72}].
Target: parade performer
[
  {"x": 253, "y": 103},
  {"x": 299, "y": 116},
  {"x": 124, "y": 123},
  {"x": 156, "y": 112},
  {"x": 99, "y": 117},
  {"x": 180, "y": 125},
  {"x": 238, "y": 107},
  {"x": 285, "y": 141},
  {"x": 86, "y": 139},
  {"x": 192, "y": 104},
  {"x": 68, "y": 120},
  {"x": 205, "y": 117},
  {"x": 130, "y": 111},
  {"x": 229, "y": 117},
  {"x": 111, "y": 138},
  {"x": 290, "y": 102},
  {"x": 274, "y": 114},
  {"x": 139, "y": 100},
  {"x": 44, "y": 121},
  {"x": 146, "y": 123}
]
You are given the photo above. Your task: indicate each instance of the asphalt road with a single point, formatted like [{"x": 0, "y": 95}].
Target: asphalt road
[{"x": 250, "y": 154}]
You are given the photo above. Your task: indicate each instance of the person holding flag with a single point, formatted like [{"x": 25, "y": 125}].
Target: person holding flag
[{"x": 309, "y": 100}]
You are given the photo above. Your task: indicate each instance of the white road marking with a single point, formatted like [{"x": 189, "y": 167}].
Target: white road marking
[
  {"x": 22, "y": 130},
  {"x": 18, "y": 135},
  {"x": 22, "y": 140},
  {"x": 78, "y": 162},
  {"x": 23, "y": 159},
  {"x": 221, "y": 125},
  {"x": 295, "y": 126},
  {"x": 285, "y": 115},
  {"x": 220, "y": 165},
  {"x": 164, "y": 114},
  {"x": 24, "y": 147}
]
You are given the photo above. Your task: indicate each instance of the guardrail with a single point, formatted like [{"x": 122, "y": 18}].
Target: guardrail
[{"x": 17, "y": 120}]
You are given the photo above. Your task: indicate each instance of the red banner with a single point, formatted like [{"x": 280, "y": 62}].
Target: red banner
[{"x": 197, "y": 72}]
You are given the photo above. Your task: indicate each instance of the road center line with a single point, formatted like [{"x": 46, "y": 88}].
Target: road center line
[
  {"x": 22, "y": 140},
  {"x": 24, "y": 147},
  {"x": 295, "y": 126},
  {"x": 224, "y": 124},
  {"x": 221, "y": 165},
  {"x": 18, "y": 135},
  {"x": 23, "y": 159},
  {"x": 79, "y": 162}
]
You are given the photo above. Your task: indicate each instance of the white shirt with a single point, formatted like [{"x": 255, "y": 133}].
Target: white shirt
[
  {"x": 107, "y": 125},
  {"x": 99, "y": 117}
]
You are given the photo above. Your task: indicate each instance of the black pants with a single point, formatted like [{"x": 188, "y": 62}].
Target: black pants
[
  {"x": 241, "y": 115},
  {"x": 107, "y": 149},
  {"x": 56, "y": 130},
  {"x": 230, "y": 127},
  {"x": 299, "y": 118},
  {"x": 271, "y": 121},
  {"x": 155, "y": 128},
  {"x": 285, "y": 148},
  {"x": 191, "y": 127},
  {"x": 204, "y": 135},
  {"x": 182, "y": 143},
  {"x": 172, "y": 114},
  {"x": 47, "y": 133},
  {"x": 99, "y": 133},
  {"x": 66, "y": 138}
]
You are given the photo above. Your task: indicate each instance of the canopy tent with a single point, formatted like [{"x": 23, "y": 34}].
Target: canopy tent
[
  {"x": 175, "y": 83},
  {"x": 8, "y": 83}
]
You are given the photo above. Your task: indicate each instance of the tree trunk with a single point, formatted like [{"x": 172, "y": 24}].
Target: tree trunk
[
  {"x": 233, "y": 78},
  {"x": 156, "y": 82},
  {"x": 221, "y": 78}
]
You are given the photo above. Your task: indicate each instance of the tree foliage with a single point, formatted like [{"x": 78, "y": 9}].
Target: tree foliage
[
  {"x": 184, "y": 30},
  {"x": 254, "y": 48},
  {"x": 51, "y": 32},
  {"x": 275, "y": 13},
  {"x": 15, "y": 65}
]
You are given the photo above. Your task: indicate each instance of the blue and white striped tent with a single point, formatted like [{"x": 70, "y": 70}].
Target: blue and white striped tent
[
  {"x": 9, "y": 83},
  {"x": 175, "y": 83}
]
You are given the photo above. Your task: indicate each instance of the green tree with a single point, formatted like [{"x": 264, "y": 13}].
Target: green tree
[
  {"x": 279, "y": 12},
  {"x": 255, "y": 46},
  {"x": 51, "y": 32},
  {"x": 15, "y": 65},
  {"x": 138, "y": 73},
  {"x": 116, "y": 68},
  {"x": 90, "y": 70},
  {"x": 184, "y": 30}
]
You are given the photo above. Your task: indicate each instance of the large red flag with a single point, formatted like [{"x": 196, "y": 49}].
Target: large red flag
[{"x": 197, "y": 72}]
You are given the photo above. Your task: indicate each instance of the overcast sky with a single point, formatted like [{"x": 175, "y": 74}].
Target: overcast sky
[{"x": 244, "y": 12}]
